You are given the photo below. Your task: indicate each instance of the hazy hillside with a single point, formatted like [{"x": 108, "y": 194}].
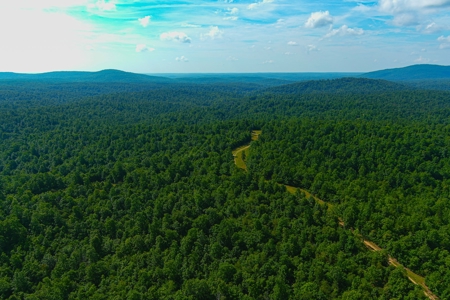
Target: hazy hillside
[
  {"x": 92, "y": 77},
  {"x": 268, "y": 79},
  {"x": 415, "y": 72}
]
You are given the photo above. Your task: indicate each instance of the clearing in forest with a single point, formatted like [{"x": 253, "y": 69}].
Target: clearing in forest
[{"x": 238, "y": 153}]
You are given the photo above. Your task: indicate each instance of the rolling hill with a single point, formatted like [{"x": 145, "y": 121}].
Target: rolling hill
[
  {"x": 92, "y": 77},
  {"x": 415, "y": 72}
]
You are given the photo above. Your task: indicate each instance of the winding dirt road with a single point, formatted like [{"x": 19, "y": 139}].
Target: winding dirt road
[{"x": 413, "y": 277}]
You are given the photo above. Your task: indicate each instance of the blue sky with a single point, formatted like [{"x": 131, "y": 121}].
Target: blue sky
[{"x": 222, "y": 35}]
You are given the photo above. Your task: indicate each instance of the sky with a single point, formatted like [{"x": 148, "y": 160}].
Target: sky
[{"x": 222, "y": 36}]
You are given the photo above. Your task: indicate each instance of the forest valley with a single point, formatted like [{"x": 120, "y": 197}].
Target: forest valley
[{"x": 131, "y": 191}]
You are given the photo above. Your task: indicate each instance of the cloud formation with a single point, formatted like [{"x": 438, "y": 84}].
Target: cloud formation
[
  {"x": 312, "y": 48},
  {"x": 145, "y": 21},
  {"x": 422, "y": 60},
  {"x": 182, "y": 59},
  {"x": 431, "y": 28},
  {"x": 319, "y": 19},
  {"x": 233, "y": 11},
  {"x": 74, "y": 27},
  {"x": 143, "y": 48},
  {"x": 256, "y": 4},
  {"x": 187, "y": 25},
  {"x": 102, "y": 5},
  {"x": 445, "y": 42},
  {"x": 214, "y": 32},
  {"x": 399, "y": 6},
  {"x": 410, "y": 12},
  {"x": 444, "y": 39},
  {"x": 232, "y": 14},
  {"x": 343, "y": 31},
  {"x": 175, "y": 36}
]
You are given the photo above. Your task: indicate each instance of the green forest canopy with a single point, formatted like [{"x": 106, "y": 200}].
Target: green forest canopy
[{"x": 133, "y": 194}]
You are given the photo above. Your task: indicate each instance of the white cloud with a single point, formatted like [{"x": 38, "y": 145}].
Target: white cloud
[
  {"x": 445, "y": 42},
  {"x": 399, "y": 6},
  {"x": 187, "y": 25},
  {"x": 444, "y": 39},
  {"x": 430, "y": 28},
  {"x": 145, "y": 21},
  {"x": 362, "y": 8},
  {"x": 319, "y": 19},
  {"x": 175, "y": 36},
  {"x": 268, "y": 62},
  {"x": 103, "y": 6},
  {"x": 256, "y": 4},
  {"x": 144, "y": 48},
  {"x": 232, "y": 14},
  {"x": 410, "y": 12},
  {"x": 140, "y": 47},
  {"x": 233, "y": 11},
  {"x": 312, "y": 48},
  {"x": 292, "y": 43},
  {"x": 214, "y": 32},
  {"x": 232, "y": 58},
  {"x": 343, "y": 31},
  {"x": 182, "y": 59},
  {"x": 406, "y": 19},
  {"x": 422, "y": 60},
  {"x": 280, "y": 23}
]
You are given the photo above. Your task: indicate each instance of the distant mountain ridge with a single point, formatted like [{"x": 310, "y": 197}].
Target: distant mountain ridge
[
  {"x": 81, "y": 76},
  {"x": 111, "y": 75},
  {"x": 410, "y": 73},
  {"x": 414, "y": 72},
  {"x": 426, "y": 76}
]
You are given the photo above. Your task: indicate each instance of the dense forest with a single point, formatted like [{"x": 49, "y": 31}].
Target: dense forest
[{"x": 121, "y": 190}]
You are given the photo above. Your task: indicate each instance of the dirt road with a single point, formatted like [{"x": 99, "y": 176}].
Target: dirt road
[{"x": 413, "y": 277}]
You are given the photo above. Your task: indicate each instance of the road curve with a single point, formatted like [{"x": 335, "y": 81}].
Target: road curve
[{"x": 413, "y": 277}]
